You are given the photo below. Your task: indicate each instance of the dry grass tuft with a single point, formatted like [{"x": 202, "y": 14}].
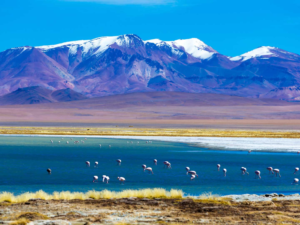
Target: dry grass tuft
[
  {"x": 208, "y": 198},
  {"x": 32, "y": 216},
  {"x": 105, "y": 194},
  {"x": 22, "y": 221}
]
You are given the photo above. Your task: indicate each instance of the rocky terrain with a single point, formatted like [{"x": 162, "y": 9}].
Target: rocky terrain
[{"x": 151, "y": 211}]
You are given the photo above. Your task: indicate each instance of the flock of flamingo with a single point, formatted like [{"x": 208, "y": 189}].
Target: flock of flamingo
[{"x": 167, "y": 164}]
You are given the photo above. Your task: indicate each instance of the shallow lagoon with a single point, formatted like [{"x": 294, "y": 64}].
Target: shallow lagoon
[{"x": 24, "y": 160}]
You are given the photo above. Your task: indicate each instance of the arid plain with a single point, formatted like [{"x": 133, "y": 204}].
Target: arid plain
[{"x": 169, "y": 110}]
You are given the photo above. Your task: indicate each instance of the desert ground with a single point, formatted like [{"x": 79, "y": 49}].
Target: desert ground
[
  {"x": 158, "y": 110},
  {"x": 151, "y": 211}
]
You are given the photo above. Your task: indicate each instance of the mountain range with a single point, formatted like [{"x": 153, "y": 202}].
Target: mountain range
[{"x": 127, "y": 64}]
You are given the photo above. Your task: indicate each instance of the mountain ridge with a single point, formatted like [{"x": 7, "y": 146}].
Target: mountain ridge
[{"x": 126, "y": 64}]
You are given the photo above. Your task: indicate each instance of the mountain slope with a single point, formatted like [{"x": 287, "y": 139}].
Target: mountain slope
[
  {"x": 37, "y": 95},
  {"x": 126, "y": 64}
]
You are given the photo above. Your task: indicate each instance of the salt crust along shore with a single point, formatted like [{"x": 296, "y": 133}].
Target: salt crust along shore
[
  {"x": 260, "y": 198},
  {"x": 216, "y": 143}
]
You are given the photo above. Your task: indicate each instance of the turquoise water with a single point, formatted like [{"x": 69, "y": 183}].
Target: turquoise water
[{"x": 24, "y": 160}]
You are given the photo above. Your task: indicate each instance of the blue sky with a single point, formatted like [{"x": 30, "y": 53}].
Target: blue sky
[{"x": 231, "y": 27}]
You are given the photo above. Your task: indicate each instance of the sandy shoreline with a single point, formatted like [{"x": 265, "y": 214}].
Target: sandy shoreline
[{"x": 138, "y": 131}]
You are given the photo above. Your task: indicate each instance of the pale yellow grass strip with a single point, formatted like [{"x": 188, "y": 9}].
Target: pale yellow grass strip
[{"x": 105, "y": 194}]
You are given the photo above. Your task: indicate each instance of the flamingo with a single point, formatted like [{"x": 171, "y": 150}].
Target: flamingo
[
  {"x": 193, "y": 177},
  {"x": 95, "y": 179},
  {"x": 244, "y": 170},
  {"x": 296, "y": 170},
  {"x": 155, "y": 161},
  {"x": 192, "y": 173},
  {"x": 277, "y": 172},
  {"x": 224, "y": 171},
  {"x": 49, "y": 171},
  {"x": 167, "y": 164},
  {"x": 149, "y": 169},
  {"x": 58, "y": 141},
  {"x": 96, "y": 164},
  {"x": 144, "y": 166},
  {"x": 187, "y": 169},
  {"x": 100, "y": 145},
  {"x": 257, "y": 174},
  {"x": 119, "y": 162},
  {"x": 109, "y": 146},
  {"x": 67, "y": 142},
  {"x": 105, "y": 178},
  {"x": 218, "y": 166},
  {"x": 51, "y": 141},
  {"x": 298, "y": 152},
  {"x": 87, "y": 163},
  {"x": 296, "y": 181},
  {"x": 249, "y": 151},
  {"x": 121, "y": 179},
  {"x": 270, "y": 169}
]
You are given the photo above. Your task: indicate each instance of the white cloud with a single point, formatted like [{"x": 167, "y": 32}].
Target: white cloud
[{"x": 129, "y": 2}]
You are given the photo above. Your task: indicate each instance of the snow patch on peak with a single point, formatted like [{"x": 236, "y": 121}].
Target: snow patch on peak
[
  {"x": 96, "y": 46},
  {"x": 193, "y": 46},
  {"x": 258, "y": 52},
  {"x": 154, "y": 41},
  {"x": 129, "y": 40}
]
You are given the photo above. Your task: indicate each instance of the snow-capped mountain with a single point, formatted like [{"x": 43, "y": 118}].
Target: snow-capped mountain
[
  {"x": 193, "y": 46},
  {"x": 124, "y": 64},
  {"x": 266, "y": 52}
]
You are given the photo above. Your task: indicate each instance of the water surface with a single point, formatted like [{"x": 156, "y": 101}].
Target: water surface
[{"x": 24, "y": 160}]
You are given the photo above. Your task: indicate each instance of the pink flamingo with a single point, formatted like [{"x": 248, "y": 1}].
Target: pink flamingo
[
  {"x": 119, "y": 162},
  {"x": 277, "y": 172},
  {"x": 249, "y": 151},
  {"x": 105, "y": 178},
  {"x": 218, "y": 166},
  {"x": 192, "y": 173},
  {"x": 270, "y": 169},
  {"x": 296, "y": 170},
  {"x": 87, "y": 163},
  {"x": 96, "y": 164},
  {"x": 155, "y": 161},
  {"x": 187, "y": 169},
  {"x": 244, "y": 170},
  {"x": 167, "y": 164},
  {"x": 257, "y": 174},
  {"x": 296, "y": 181},
  {"x": 95, "y": 179},
  {"x": 224, "y": 171},
  {"x": 149, "y": 169},
  {"x": 144, "y": 166},
  {"x": 121, "y": 179}
]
